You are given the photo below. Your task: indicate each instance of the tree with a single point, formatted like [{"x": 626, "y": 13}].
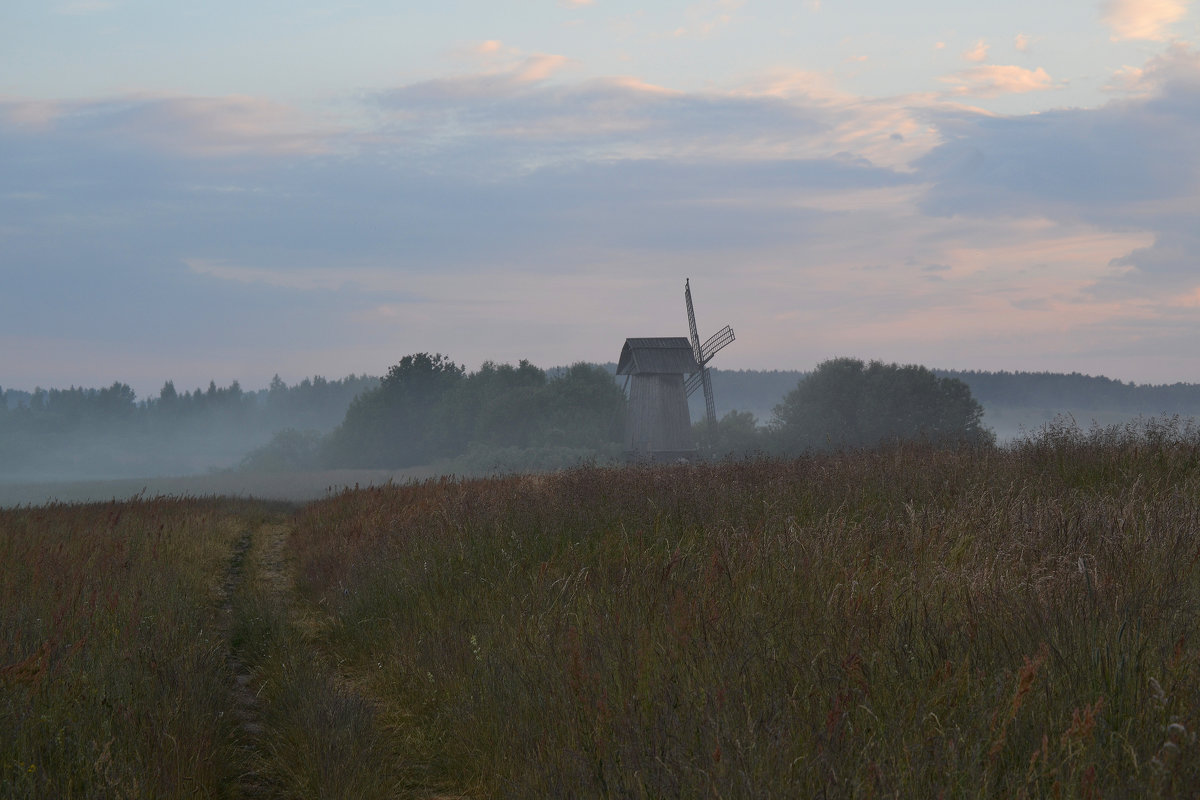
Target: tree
[
  {"x": 584, "y": 407},
  {"x": 496, "y": 406},
  {"x": 737, "y": 434},
  {"x": 289, "y": 450},
  {"x": 404, "y": 421},
  {"x": 845, "y": 403}
]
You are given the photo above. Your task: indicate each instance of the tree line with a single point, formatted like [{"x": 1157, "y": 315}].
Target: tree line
[
  {"x": 313, "y": 401},
  {"x": 77, "y": 433},
  {"x": 429, "y": 410}
]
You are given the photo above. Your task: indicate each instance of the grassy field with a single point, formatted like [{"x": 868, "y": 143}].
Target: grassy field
[{"x": 899, "y": 623}]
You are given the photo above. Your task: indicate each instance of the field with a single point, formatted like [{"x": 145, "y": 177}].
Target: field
[{"x": 898, "y": 623}]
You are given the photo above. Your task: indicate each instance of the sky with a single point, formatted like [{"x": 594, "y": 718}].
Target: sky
[{"x": 230, "y": 190}]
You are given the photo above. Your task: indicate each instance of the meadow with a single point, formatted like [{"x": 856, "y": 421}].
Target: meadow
[{"x": 903, "y": 622}]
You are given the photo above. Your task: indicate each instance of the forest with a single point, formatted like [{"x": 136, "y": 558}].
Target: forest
[
  {"x": 428, "y": 409},
  {"x": 82, "y": 433}
]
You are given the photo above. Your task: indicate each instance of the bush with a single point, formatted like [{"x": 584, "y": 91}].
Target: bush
[
  {"x": 289, "y": 450},
  {"x": 845, "y": 403}
]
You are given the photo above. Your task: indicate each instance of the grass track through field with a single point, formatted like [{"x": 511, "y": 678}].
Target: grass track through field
[
  {"x": 245, "y": 703},
  {"x": 303, "y": 731}
]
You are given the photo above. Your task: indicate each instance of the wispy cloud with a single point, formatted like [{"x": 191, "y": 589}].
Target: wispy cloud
[
  {"x": 705, "y": 19},
  {"x": 30, "y": 114},
  {"x": 978, "y": 52},
  {"x": 993, "y": 80},
  {"x": 780, "y": 115},
  {"x": 225, "y": 126},
  {"x": 1021, "y": 43},
  {"x": 1142, "y": 19},
  {"x": 194, "y": 126}
]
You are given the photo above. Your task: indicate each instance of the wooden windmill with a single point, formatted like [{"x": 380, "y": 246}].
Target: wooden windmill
[{"x": 658, "y": 425}]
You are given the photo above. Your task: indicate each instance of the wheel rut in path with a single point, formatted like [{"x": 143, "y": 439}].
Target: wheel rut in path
[{"x": 256, "y": 564}]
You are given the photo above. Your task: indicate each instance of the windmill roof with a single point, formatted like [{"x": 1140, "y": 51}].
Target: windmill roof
[{"x": 657, "y": 354}]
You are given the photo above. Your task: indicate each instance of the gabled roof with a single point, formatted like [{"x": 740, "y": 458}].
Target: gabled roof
[{"x": 670, "y": 355}]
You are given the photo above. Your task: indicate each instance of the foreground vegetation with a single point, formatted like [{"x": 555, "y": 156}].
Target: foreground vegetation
[
  {"x": 113, "y": 670},
  {"x": 905, "y": 622},
  {"x": 997, "y": 622}
]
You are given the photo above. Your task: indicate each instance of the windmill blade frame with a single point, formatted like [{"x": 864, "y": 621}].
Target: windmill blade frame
[
  {"x": 704, "y": 353},
  {"x": 715, "y": 343}
]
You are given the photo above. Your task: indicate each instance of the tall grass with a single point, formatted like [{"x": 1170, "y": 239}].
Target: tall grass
[
  {"x": 112, "y": 665},
  {"x": 909, "y": 622}
]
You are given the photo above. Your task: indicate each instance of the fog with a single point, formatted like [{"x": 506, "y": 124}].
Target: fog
[
  {"x": 81, "y": 444},
  {"x": 83, "y": 434}
]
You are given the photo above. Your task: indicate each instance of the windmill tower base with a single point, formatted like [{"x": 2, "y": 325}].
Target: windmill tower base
[{"x": 658, "y": 426}]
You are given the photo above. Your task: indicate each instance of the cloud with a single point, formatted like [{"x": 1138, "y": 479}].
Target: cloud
[
  {"x": 194, "y": 126},
  {"x": 515, "y": 199},
  {"x": 531, "y": 124},
  {"x": 993, "y": 80},
  {"x": 1142, "y": 19},
  {"x": 30, "y": 114},
  {"x": 977, "y": 53},
  {"x": 576, "y": 3},
  {"x": 1128, "y": 166},
  {"x": 705, "y": 19},
  {"x": 1177, "y": 69},
  {"x": 1021, "y": 43},
  {"x": 224, "y": 126}
]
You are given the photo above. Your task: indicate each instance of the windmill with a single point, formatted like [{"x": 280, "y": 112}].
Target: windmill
[
  {"x": 658, "y": 425},
  {"x": 704, "y": 354}
]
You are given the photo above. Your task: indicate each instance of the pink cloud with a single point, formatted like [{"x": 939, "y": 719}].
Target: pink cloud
[
  {"x": 1142, "y": 19},
  {"x": 194, "y": 126},
  {"x": 30, "y": 114},
  {"x": 225, "y": 126},
  {"x": 994, "y": 80},
  {"x": 705, "y": 19},
  {"x": 977, "y": 53},
  {"x": 539, "y": 67}
]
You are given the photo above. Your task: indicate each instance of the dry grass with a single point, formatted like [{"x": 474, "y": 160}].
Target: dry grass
[
  {"x": 908, "y": 623},
  {"x": 112, "y": 664},
  {"x": 912, "y": 623}
]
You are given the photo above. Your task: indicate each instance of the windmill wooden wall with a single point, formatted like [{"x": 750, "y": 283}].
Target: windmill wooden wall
[{"x": 658, "y": 425}]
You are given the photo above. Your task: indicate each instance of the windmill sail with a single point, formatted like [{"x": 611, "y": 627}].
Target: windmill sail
[{"x": 704, "y": 353}]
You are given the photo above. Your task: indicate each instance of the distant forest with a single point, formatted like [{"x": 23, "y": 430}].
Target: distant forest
[
  {"x": 87, "y": 433},
  {"x": 83, "y": 433}
]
